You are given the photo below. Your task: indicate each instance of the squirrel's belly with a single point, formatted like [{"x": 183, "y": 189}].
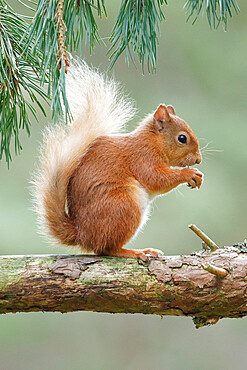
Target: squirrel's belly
[{"x": 144, "y": 199}]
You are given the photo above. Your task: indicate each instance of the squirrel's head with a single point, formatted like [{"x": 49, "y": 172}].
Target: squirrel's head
[{"x": 180, "y": 143}]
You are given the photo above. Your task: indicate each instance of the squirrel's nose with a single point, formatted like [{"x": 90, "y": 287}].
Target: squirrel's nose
[{"x": 198, "y": 158}]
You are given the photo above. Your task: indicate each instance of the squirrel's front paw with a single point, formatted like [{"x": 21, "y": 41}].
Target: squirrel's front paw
[{"x": 193, "y": 177}]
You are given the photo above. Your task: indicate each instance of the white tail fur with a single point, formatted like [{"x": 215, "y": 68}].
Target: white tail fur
[{"x": 98, "y": 108}]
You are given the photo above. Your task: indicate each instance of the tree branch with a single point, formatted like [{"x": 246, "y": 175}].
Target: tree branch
[{"x": 171, "y": 285}]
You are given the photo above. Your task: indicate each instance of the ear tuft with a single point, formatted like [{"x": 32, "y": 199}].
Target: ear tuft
[
  {"x": 161, "y": 117},
  {"x": 161, "y": 113},
  {"x": 171, "y": 109}
]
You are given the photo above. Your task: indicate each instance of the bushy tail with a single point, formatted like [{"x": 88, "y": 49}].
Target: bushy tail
[{"x": 98, "y": 108}]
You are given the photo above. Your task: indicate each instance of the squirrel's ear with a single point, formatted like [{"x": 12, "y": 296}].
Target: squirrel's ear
[
  {"x": 161, "y": 113},
  {"x": 171, "y": 109}
]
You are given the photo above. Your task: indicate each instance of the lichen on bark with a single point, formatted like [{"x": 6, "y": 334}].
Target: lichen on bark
[{"x": 170, "y": 285}]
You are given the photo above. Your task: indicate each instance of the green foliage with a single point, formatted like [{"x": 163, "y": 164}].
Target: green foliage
[
  {"x": 45, "y": 32},
  {"x": 217, "y": 10},
  {"x": 19, "y": 78},
  {"x": 136, "y": 31},
  {"x": 80, "y": 23},
  {"x": 43, "y": 38},
  {"x": 36, "y": 55}
]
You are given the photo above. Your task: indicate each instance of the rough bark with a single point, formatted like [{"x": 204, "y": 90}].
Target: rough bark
[{"x": 171, "y": 285}]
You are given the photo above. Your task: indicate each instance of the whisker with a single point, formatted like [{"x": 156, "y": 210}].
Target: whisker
[
  {"x": 207, "y": 155},
  {"x": 178, "y": 192},
  {"x": 205, "y": 146},
  {"x": 206, "y": 159},
  {"x": 207, "y": 149},
  {"x": 213, "y": 150}
]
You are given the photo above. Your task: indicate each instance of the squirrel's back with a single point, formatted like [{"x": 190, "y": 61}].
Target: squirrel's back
[{"x": 98, "y": 109}]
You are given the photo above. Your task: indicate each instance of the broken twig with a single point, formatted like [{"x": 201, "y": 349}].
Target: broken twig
[
  {"x": 217, "y": 271},
  {"x": 204, "y": 237}
]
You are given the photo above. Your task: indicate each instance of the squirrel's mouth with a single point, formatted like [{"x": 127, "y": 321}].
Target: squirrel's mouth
[
  {"x": 180, "y": 166},
  {"x": 188, "y": 162},
  {"x": 183, "y": 164}
]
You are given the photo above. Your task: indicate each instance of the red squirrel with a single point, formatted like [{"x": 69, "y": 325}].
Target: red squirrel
[{"x": 95, "y": 184}]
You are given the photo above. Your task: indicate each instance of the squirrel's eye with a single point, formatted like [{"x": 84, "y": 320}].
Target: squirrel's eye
[{"x": 182, "y": 139}]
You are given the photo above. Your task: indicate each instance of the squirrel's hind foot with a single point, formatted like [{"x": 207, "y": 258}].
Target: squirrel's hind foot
[{"x": 143, "y": 254}]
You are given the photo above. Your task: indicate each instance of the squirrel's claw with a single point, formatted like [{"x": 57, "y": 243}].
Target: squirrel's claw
[{"x": 190, "y": 186}]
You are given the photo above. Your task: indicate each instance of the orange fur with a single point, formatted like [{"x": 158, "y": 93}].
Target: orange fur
[
  {"x": 103, "y": 193},
  {"x": 109, "y": 182}
]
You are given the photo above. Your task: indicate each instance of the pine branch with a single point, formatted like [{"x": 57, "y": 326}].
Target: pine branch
[
  {"x": 19, "y": 77},
  {"x": 217, "y": 11},
  {"x": 136, "y": 31},
  {"x": 44, "y": 36},
  {"x": 58, "y": 23},
  {"x": 81, "y": 23},
  {"x": 37, "y": 56}
]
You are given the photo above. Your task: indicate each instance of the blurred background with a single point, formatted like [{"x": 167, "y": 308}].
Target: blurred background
[{"x": 202, "y": 73}]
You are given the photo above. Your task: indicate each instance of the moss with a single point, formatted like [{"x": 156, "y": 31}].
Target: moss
[
  {"x": 114, "y": 269},
  {"x": 44, "y": 261},
  {"x": 11, "y": 269}
]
